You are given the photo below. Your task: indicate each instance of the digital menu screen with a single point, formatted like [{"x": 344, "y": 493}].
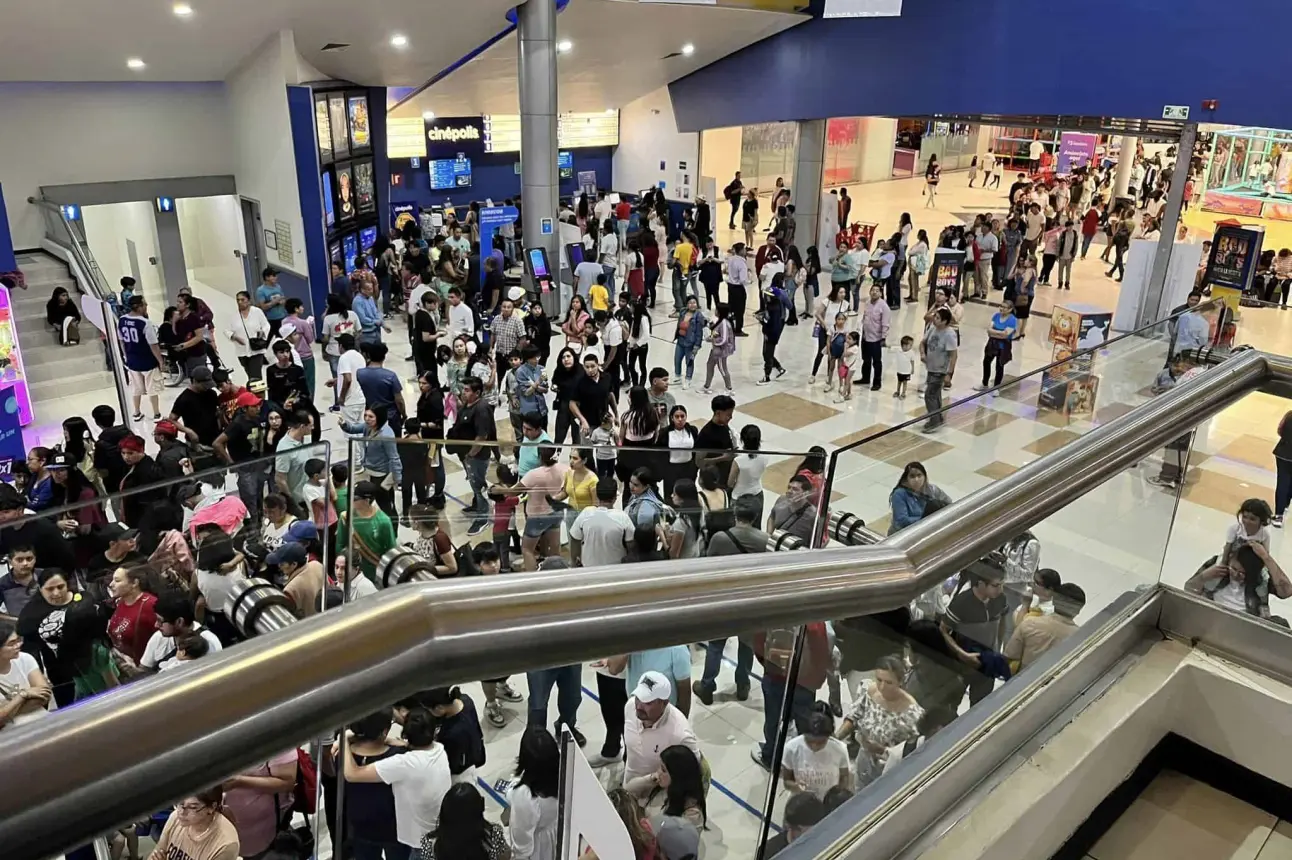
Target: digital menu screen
[
  {"x": 338, "y": 122},
  {"x": 323, "y": 128},
  {"x": 360, "y": 132},
  {"x": 502, "y": 131},
  {"x": 365, "y": 192},
  {"x": 405, "y": 137},
  {"x": 350, "y": 247},
  {"x": 329, "y": 202},
  {"x": 345, "y": 193},
  {"x": 449, "y": 173},
  {"x": 367, "y": 236}
]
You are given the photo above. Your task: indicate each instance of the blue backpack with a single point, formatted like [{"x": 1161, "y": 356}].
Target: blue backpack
[{"x": 836, "y": 345}]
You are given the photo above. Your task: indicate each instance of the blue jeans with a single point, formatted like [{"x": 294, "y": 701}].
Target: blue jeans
[
  {"x": 478, "y": 478},
  {"x": 680, "y": 283},
  {"x": 773, "y": 701},
  {"x": 1085, "y": 244},
  {"x": 610, "y": 280},
  {"x": 336, "y": 390},
  {"x": 680, "y": 352},
  {"x": 568, "y": 681},
  {"x": 713, "y": 663}
]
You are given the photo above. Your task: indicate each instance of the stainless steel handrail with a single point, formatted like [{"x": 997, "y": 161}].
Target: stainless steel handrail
[{"x": 135, "y": 749}]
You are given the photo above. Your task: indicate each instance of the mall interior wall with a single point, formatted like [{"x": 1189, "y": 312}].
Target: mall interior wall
[
  {"x": 983, "y": 57},
  {"x": 264, "y": 156},
  {"x": 62, "y": 133},
  {"x": 651, "y": 149},
  {"x": 123, "y": 239},
  {"x": 211, "y": 230}
]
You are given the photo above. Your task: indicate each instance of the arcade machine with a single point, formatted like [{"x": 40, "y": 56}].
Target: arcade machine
[{"x": 540, "y": 277}]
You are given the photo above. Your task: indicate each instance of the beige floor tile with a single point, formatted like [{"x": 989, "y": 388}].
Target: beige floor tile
[
  {"x": 1181, "y": 819},
  {"x": 1220, "y": 492},
  {"x": 1251, "y": 449},
  {"x": 858, "y": 435},
  {"x": 1050, "y": 442},
  {"x": 880, "y": 525},
  {"x": 788, "y": 411},
  {"x": 1279, "y": 845},
  {"x": 1112, "y": 412},
  {"x": 997, "y": 470}
]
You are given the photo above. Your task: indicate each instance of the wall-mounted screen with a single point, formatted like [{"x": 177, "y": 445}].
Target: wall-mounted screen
[
  {"x": 449, "y": 173},
  {"x": 340, "y": 139},
  {"x": 344, "y": 193},
  {"x": 365, "y": 191},
  {"x": 350, "y": 248},
  {"x": 329, "y": 201},
  {"x": 502, "y": 131},
  {"x": 334, "y": 252},
  {"x": 360, "y": 131},
  {"x": 323, "y": 128},
  {"x": 367, "y": 236}
]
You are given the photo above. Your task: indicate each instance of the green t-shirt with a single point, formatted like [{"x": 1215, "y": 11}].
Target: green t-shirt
[{"x": 372, "y": 537}]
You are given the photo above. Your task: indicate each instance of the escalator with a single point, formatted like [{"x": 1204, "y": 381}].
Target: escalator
[{"x": 301, "y": 680}]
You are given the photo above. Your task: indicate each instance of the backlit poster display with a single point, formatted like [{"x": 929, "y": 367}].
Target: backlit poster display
[
  {"x": 365, "y": 192},
  {"x": 350, "y": 248},
  {"x": 360, "y": 133},
  {"x": 449, "y": 173},
  {"x": 345, "y": 193},
  {"x": 329, "y": 202},
  {"x": 324, "y": 129},
  {"x": 1234, "y": 250},
  {"x": 367, "y": 236},
  {"x": 340, "y": 139},
  {"x": 12, "y": 375}
]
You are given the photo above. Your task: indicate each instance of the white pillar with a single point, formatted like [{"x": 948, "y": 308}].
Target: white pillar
[
  {"x": 536, "y": 31},
  {"x": 1121, "y": 185},
  {"x": 808, "y": 166}
]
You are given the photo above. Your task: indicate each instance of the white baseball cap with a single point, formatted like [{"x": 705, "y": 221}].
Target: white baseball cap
[{"x": 653, "y": 687}]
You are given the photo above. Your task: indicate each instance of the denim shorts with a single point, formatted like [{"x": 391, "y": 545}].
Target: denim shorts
[{"x": 537, "y": 525}]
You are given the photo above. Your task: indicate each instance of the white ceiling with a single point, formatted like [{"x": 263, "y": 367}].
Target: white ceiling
[
  {"x": 617, "y": 56},
  {"x": 90, "y": 40}
]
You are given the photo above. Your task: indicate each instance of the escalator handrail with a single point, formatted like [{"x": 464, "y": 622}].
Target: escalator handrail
[{"x": 116, "y": 756}]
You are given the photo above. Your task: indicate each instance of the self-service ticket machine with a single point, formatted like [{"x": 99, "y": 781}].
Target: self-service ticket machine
[{"x": 542, "y": 281}]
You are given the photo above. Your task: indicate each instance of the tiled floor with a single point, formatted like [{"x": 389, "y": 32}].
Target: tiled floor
[
  {"x": 1179, "y": 818},
  {"x": 1110, "y": 541}
]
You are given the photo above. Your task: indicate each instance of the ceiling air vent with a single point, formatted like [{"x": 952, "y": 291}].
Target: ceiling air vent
[
  {"x": 334, "y": 46},
  {"x": 671, "y": 56}
]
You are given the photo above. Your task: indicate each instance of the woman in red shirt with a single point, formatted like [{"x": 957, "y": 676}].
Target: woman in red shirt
[
  {"x": 134, "y": 620},
  {"x": 813, "y": 468},
  {"x": 650, "y": 259}
]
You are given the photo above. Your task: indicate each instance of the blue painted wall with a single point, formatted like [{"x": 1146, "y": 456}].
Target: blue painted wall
[
  {"x": 300, "y": 109},
  {"x": 988, "y": 56},
  {"x": 493, "y": 176},
  {"x": 7, "y": 261}
]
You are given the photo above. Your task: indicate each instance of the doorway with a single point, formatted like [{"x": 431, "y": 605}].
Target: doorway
[{"x": 254, "y": 257}]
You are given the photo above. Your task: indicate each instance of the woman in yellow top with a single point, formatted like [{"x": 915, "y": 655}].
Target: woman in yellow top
[{"x": 580, "y": 488}]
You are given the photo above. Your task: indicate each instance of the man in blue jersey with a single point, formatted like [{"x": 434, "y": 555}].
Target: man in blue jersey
[
  {"x": 271, "y": 300},
  {"x": 143, "y": 356}
]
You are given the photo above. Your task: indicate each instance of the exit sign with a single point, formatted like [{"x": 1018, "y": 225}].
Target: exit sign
[{"x": 1175, "y": 112}]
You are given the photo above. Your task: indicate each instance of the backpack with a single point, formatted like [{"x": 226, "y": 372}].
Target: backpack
[
  {"x": 837, "y": 343},
  {"x": 721, "y": 520},
  {"x": 778, "y": 648}
]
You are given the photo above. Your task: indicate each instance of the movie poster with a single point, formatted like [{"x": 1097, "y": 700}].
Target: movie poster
[
  {"x": 365, "y": 193},
  {"x": 329, "y": 201},
  {"x": 360, "y": 137},
  {"x": 345, "y": 193},
  {"x": 340, "y": 140},
  {"x": 323, "y": 130},
  {"x": 947, "y": 270},
  {"x": 1234, "y": 250}
]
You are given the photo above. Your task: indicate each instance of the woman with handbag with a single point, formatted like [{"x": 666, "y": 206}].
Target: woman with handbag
[
  {"x": 999, "y": 347},
  {"x": 1024, "y": 293},
  {"x": 918, "y": 259},
  {"x": 250, "y": 335}
]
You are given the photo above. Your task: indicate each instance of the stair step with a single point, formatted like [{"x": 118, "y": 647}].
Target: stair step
[
  {"x": 73, "y": 361},
  {"x": 86, "y": 383}
]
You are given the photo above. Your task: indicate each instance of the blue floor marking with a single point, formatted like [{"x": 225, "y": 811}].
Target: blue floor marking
[{"x": 739, "y": 801}]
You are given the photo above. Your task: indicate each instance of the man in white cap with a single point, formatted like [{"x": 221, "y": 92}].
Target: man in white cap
[{"x": 652, "y": 725}]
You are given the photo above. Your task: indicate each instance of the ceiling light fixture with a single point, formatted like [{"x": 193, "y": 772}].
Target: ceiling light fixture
[
  {"x": 688, "y": 49},
  {"x": 564, "y": 46},
  {"x": 183, "y": 10},
  {"x": 135, "y": 63},
  {"x": 399, "y": 41},
  {"x": 428, "y": 115},
  {"x": 610, "y": 111}
]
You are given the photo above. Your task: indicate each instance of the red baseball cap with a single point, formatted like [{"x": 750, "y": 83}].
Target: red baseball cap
[{"x": 246, "y": 398}]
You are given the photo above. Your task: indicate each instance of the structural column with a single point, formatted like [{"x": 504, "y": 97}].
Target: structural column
[
  {"x": 1155, "y": 303},
  {"x": 809, "y": 164},
  {"x": 1121, "y": 183},
  {"x": 536, "y": 29}
]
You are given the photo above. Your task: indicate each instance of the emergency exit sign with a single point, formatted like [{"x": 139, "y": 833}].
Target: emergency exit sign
[{"x": 1175, "y": 112}]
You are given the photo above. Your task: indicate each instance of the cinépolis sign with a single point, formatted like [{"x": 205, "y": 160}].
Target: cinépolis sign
[{"x": 447, "y": 136}]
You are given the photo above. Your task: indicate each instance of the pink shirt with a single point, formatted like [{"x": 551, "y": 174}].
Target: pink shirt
[{"x": 875, "y": 320}]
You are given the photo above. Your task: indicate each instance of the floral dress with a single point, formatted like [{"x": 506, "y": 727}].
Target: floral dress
[{"x": 879, "y": 726}]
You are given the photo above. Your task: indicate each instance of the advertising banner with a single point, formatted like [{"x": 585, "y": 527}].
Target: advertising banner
[
  {"x": 1231, "y": 204},
  {"x": 1075, "y": 150},
  {"x": 1234, "y": 251},
  {"x": 947, "y": 270}
]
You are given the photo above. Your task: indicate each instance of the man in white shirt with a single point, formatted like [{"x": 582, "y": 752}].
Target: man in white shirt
[
  {"x": 418, "y": 778},
  {"x": 652, "y": 725},
  {"x": 601, "y": 535},
  {"x": 585, "y": 275},
  {"x": 612, "y": 338},
  {"x": 603, "y": 208},
  {"x": 461, "y": 318},
  {"x": 350, "y": 395},
  {"x": 174, "y": 621}
]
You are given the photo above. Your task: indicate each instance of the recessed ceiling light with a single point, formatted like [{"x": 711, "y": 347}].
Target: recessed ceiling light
[
  {"x": 183, "y": 10},
  {"x": 688, "y": 49},
  {"x": 564, "y": 46},
  {"x": 135, "y": 63},
  {"x": 399, "y": 41},
  {"x": 428, "y": 115},
  {"x": 610, "y": 111}
]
